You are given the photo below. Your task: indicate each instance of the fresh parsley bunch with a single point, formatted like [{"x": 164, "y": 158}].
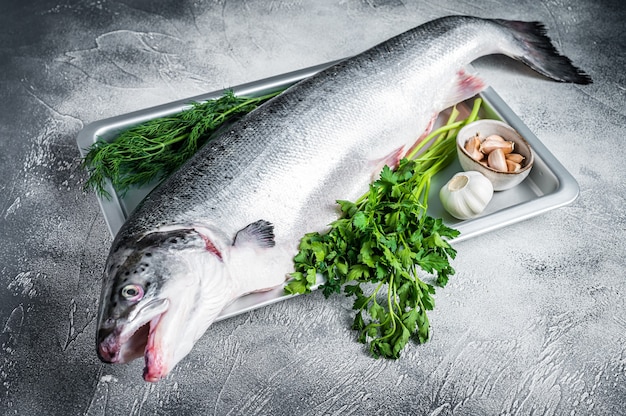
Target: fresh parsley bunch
[{"x": 381, "y": 242}]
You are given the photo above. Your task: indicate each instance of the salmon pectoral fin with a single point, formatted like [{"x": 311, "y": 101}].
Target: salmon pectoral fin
[
  {"x": 259, "y": 233},
  {"x": 257, "y": 263}
]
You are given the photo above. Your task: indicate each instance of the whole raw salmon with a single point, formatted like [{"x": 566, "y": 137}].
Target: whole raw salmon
[{"x": 229, "y": 221}]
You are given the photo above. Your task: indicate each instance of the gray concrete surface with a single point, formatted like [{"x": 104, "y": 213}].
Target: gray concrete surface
[{"x": 534, "y": 322}]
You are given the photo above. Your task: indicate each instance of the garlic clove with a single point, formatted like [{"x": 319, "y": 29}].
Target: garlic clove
[
  {"x": 472, "y": 146},
  {"x": 495, "y": 137},
  {"x": 497, "y": 161},
  {"x": 489, "y": 145},
  {"x": 515, "y": 157},
  {"x": 513, "y": 166}
]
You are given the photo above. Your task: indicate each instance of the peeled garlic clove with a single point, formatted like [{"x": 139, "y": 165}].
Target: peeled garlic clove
[
  {"x": 515, "y": 157},
  {"x": 472, "y": 146},
  {"x": 497, "y": 161},
  {"x": 489, "y": 145},
  {"x": 513, "y": 166},
  {"x": 466, "y": 194}
]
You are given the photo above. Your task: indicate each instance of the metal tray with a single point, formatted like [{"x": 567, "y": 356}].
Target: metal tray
[{"x": 548, "y": 186}]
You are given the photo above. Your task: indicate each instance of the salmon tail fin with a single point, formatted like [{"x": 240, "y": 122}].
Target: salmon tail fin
[{"x": 541, "y": 55}]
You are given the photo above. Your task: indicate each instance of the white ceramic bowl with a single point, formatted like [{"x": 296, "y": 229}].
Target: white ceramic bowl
[{"x": 500, "y": 180}]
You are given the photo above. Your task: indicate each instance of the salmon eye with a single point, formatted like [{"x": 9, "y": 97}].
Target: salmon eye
[{"x": 132, "y": 293}]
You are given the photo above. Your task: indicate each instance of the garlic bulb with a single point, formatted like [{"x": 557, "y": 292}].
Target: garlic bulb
[{"x": 466, "y": 194}]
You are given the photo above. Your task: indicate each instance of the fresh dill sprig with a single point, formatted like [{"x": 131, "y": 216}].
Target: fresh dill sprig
[{"x": 154, "y": 149}]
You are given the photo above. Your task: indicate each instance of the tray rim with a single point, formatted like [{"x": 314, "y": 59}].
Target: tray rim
[{"x": 566, "y": 191}]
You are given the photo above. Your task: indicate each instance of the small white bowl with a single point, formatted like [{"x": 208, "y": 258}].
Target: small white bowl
[{"x": 500, "y": 180}]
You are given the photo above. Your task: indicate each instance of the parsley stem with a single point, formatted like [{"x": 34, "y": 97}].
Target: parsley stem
[
  {"x": 449, "y": 127},
  {"x": 440, "y": 130},
  {"x": 391, "y": 315},
  {"x": 474, "y": 113}
]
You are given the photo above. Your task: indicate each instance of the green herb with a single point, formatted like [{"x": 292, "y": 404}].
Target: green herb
[
  {"x": 154, "y": 149},
  {"x": 375, "y": 249}
]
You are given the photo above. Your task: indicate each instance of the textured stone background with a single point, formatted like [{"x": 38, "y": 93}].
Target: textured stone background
[{"x": 533, "y": 323}]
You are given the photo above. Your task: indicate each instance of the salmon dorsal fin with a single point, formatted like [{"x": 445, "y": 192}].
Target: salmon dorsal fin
[{"x": 260, "y": 233}]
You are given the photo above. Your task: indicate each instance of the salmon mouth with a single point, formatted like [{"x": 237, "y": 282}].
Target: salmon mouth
[
  {"x": 121, "y": 341},
  {"x": 156, "y": 366}
]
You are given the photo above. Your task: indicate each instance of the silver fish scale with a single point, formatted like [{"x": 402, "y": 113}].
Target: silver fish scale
[{"x": 288, "y": 161}]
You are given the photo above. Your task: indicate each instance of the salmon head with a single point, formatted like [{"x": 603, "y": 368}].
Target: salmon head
[
  {"x": 160, "y": 293},
  {"x": 162, "y": 290}
]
